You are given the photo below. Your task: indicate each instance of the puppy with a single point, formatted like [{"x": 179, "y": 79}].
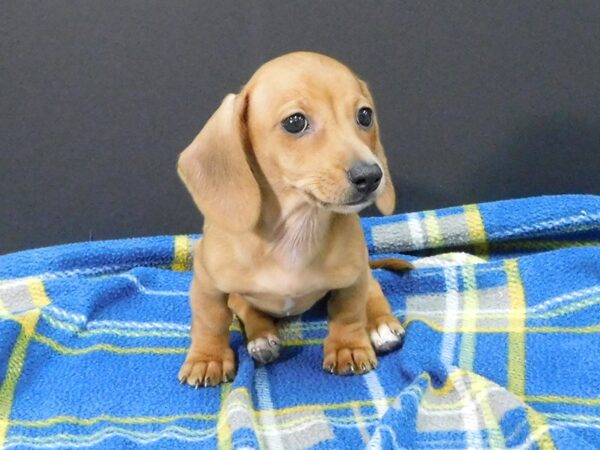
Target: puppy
[{"x": 280, "y": 172}]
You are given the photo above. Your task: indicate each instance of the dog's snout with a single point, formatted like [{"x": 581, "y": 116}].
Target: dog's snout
[{"x": 365, "y": 177}]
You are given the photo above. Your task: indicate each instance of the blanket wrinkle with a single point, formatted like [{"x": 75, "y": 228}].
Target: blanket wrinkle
[{"x": 502, "y": 349}]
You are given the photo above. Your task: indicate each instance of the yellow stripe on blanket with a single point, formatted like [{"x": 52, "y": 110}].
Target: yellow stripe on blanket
[
  {"x": 435, "y": 237},
  {"x": 58, "y": 347},
  {"x": 14, "y": 368},
  {"x": 182, "y": 255},
  {"x": 476, "y": 229},
  {"x": 541, "y": 430},
  {"x": 589, "y": 401},
  {"x": 38, "y": 293},
  {"x": 516, "y": 325},
  {"x": 90, "y": 421}
]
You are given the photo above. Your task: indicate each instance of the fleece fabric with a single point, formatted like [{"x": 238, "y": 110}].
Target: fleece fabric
[{"x": 502, "y": 346}]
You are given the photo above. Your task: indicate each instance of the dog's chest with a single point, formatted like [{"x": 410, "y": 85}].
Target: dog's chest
[
  {"x": 296, "y": 270},
  {"x": 284, "y": 306},
  {"x": 285, "y": 291}
]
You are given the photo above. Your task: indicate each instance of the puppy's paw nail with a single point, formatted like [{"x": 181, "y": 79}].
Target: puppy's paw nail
[
  {"x": 201, "y": 369},
  {"x": 330, "y": 368},
  {"x": 364, "y": 368}
]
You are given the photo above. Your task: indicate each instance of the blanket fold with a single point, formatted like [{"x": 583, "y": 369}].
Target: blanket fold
[{"x": 502, "y": 347}]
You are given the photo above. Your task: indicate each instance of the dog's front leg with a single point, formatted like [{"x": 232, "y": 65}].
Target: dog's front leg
[
  {"x": 210, "y": 359},
  {"x": 347, "y": 347},
  {"x": 385, "y": 330}
]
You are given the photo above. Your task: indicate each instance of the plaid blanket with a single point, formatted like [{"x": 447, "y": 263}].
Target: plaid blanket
[{"x": 502, "y": 346}]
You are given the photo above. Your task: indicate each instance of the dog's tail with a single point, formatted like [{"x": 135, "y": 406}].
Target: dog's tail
[{"x": 394, "y": 264}]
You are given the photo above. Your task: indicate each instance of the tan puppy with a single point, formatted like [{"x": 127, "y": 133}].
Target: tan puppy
[{"x": 279, "y": 172}]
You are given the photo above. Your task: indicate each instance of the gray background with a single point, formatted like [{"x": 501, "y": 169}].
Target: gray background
[{"x": 478, "y": 101}]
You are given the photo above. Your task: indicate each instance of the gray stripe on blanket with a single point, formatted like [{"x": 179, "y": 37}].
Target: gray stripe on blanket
[
  {"x": 492, "y": 301},
  {"x": 396, "y": 237},
  {"x": 16, "y": 298},
  {"x": 296, "y": 430},
  {"x": 450, "y": 411}
]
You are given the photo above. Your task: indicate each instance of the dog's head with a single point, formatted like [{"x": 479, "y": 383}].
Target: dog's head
[{"x": 309, "y": 125}]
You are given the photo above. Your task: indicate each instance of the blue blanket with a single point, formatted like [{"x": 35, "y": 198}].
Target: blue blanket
[{"x": 502, "y": 346}]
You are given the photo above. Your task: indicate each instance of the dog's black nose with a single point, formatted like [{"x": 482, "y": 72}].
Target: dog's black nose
[{"x": 365, "y": 177}]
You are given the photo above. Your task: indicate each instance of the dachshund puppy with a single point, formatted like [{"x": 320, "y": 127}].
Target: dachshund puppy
[{"x": 280, "y": 172}]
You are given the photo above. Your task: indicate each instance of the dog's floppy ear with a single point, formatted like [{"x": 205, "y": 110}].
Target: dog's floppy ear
[
  {"x": 386, "y": 202},
  {"x": 215, "y": 170}
]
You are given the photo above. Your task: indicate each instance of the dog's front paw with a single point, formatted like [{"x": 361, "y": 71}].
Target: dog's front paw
[
  {"x": 386, "y": 333},
  {"x": 345, "y": 358},
  {"x": 265, "y": 349},
  {"x": 203, "y": 370}
]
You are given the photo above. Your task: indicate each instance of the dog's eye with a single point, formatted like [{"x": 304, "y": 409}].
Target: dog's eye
[
  {"x": 365, "y": 117},
  {"x": 296, "y": 123}
]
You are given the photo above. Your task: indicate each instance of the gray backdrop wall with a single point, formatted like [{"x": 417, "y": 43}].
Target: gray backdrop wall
[{"x": 477, "y": 100}]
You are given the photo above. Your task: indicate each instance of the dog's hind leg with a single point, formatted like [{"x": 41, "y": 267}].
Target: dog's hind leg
[{"x": 263, "y": 344}]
